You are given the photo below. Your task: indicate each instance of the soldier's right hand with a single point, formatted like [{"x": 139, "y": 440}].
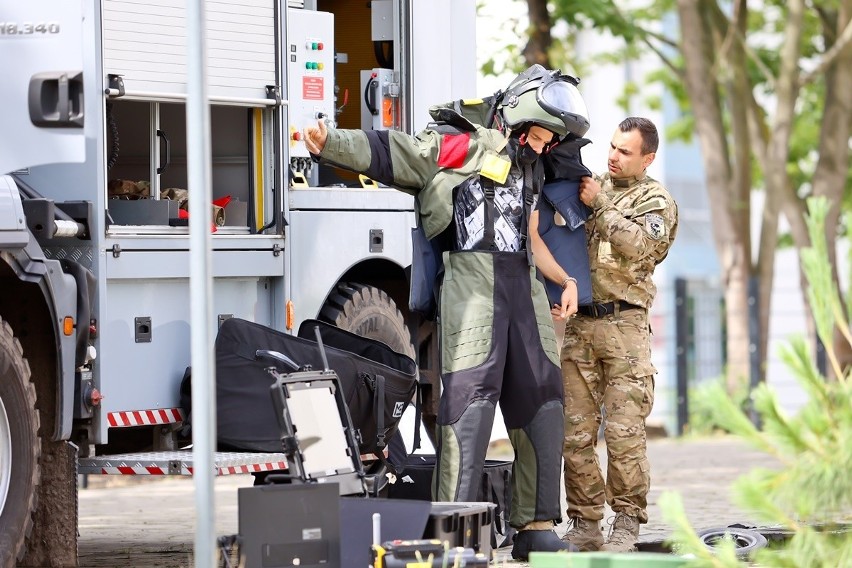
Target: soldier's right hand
[
  {"x": 315, "y": 137},
  {"x": 589, "y": 189}
]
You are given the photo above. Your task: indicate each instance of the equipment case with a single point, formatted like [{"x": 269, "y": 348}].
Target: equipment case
[
  {"x": 466, "y": 525},
  {"x": 377, "y": 382}
]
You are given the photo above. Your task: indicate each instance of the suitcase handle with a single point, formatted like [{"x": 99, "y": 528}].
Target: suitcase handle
[{"x": 276, "y": 356}]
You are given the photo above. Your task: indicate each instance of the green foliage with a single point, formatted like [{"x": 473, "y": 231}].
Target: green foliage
[
  {"x": 702, "y": 405},
  {"x": 506, "y": 57},
  {"x": 822, "y": 294},
  {"x": 636, "y": 32},
  {"x": 785, "y": 241},
  {"x": 811, "y": 493},
  {"x": 687, "y": 541}
]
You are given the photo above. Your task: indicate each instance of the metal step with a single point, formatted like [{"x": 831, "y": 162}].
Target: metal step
[{"x": 180, "y": 463}]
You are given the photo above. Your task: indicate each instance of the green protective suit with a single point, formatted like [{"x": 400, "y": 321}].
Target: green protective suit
[{"x": 497, "y": 338}]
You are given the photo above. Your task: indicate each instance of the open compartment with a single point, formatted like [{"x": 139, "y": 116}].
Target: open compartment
[{"x": 147, "y": 166}]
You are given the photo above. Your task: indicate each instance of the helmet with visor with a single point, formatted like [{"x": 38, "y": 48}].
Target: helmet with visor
[{"x": 547, "y": 98}]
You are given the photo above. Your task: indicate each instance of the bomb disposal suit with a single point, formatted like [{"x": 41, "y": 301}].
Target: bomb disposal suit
[{"x": 475, "y": 188}]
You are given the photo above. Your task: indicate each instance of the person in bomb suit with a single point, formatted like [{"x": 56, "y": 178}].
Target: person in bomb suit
[
  {"x": 606, "y": 353},
  {"x": 475, "y": 188}
]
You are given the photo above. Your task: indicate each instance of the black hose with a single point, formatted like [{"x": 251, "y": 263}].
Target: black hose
[
  {"x": 385, "y": 60},
  {"x": 113, "y": 132}
]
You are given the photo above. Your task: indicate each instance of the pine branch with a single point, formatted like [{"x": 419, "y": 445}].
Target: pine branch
[
  {"x": 687, "y": 542},
  {"x": 778, "y": 425}
]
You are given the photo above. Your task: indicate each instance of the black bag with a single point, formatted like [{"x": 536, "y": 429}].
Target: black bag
[
  {"x": 427, "y": 262},
  {"x": 416, "y": 483},
  {"x": 377, "y": 382}
]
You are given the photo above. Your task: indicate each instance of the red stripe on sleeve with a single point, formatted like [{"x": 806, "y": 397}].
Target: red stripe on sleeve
[{"x": 453, "y": 150}]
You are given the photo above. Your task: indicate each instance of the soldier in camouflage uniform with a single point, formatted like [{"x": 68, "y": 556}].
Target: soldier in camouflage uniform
[
  {"x": 606, "y": 354},
  {"x": 475, "y": 189}
]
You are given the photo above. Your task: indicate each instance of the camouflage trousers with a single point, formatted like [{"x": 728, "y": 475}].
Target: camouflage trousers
[{"x": 606, "y": 364}]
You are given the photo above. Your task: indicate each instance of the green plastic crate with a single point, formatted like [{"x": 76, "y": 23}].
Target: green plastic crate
[
  {"x": 563, "y": 560},
  {"x": 604, "y": 560}
]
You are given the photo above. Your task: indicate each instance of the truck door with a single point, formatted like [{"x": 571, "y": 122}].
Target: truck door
[
  {"x": 442, "y": 54},
  {"x": 41, "y": 94}
]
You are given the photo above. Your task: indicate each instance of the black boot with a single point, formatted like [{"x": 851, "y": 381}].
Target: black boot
[{"x": 538, "y": 541}]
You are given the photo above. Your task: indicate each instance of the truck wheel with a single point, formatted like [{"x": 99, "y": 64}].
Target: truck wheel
[
  {"x": 19, "y": 448},
  {"x": 368, "y": 312}
]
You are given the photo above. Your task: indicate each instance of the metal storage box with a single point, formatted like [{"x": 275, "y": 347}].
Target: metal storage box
[
  {"x": 462, "y": 524},
  {"x": 142, "y": 211}
]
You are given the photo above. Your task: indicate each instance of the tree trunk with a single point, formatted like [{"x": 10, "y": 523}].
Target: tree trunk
[
  {"x": 536, "y": 50},
  {"x": 775, "y": 166},
  {"x": 730, "y": 235},
  {"x": 738, "y": 102},
  {"x": 833, "y": 165},
  {"x": 737, "y": 340}
]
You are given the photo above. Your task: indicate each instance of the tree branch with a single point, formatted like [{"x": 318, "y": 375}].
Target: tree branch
[
  {"x": 730, "y": 34},
  {"x": 666, "y": 61},
  {"x": 644, "y": 34},
  {"x": 829, "y": 56},
  {"x": 659, "y": 37},
  {"x": 724, "y": 26}
]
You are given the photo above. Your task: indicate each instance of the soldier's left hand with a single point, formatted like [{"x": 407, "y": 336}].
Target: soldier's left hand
[
  {"x": 569, "y": 303},
  {"x": 589, "y": 189}
]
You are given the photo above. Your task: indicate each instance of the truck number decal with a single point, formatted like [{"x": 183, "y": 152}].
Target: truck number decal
[{"x": 28, "y": 28}]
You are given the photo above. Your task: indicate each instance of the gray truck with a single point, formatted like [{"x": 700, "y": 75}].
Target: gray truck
[{"x": 94, "y": 207}]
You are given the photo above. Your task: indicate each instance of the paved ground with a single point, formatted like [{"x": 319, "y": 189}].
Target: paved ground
[{"x": 150, "y": 522}]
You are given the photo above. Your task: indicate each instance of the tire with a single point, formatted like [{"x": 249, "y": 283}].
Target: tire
[
  {"x": 19, "y": 448},
  {"x": 368, "y": 312},
  {"x": 746, "y": 541}
]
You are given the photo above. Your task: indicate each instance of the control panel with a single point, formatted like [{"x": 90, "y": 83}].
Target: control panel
[{"x": 310, "y": 63}]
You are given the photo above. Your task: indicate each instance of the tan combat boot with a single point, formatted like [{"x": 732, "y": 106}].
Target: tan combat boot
[
  {"x": 623, "y": 535},
  {"x": 585, "y": 534}
]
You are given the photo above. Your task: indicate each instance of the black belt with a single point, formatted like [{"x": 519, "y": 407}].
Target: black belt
[{"x": 598, "y": 310}]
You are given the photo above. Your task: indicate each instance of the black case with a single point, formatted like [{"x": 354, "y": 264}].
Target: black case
[
  {"x": 415, "y": 482},
  {"x": 245, "y": 417}
]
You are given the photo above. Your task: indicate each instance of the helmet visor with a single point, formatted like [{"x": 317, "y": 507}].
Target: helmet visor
[{"x": 562, "y": 99}]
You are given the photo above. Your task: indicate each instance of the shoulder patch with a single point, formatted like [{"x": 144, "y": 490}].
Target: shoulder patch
[
  {"x": 453, "y": 151},
  {"x": 655, "y": 225},
  {"x": 653, "y": 204},
  {"x": 496, "y": 168}
]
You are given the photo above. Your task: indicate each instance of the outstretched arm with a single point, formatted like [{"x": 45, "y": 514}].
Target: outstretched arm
[{"x": 386, "y": 156}]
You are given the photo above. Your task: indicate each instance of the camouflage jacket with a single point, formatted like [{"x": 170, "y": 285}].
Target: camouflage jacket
[
  {"x": 631, "y": 231},
  {"x": 428, "y": 165}
]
